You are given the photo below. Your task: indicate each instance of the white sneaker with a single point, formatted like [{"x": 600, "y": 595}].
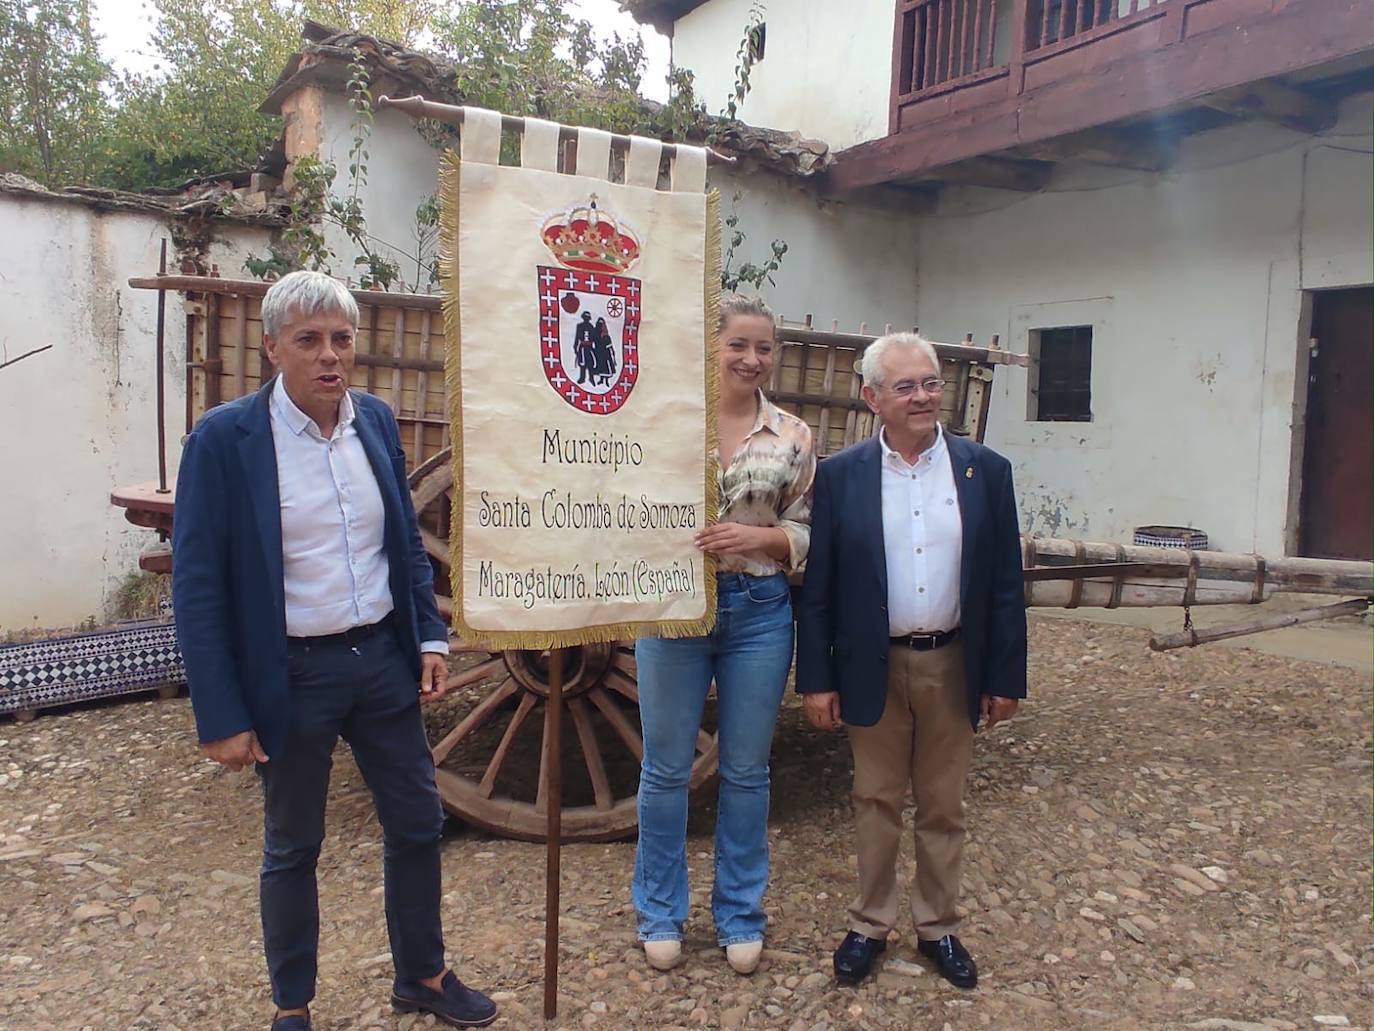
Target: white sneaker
[
  {"x": 743, "y": 957},
  {"x": 663, "y": 955}
]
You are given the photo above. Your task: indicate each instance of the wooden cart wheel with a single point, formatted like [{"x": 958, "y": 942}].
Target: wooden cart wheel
[{"x": 488, "y": 732}]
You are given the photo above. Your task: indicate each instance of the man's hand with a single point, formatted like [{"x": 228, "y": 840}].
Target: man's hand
[
  {"x": 823, "y": 710},
  {"x": 433, "y": 677},
  {"x": 733, "y": 538},
  {"x": 995, "y": 709},
  {"x": 235, "y": 752}
]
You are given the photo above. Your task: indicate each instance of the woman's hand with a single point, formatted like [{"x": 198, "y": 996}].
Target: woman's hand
[{"x": 735, "y": 538}]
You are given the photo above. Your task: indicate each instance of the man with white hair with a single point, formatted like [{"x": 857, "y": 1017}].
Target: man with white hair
[
  {"x": 305, "y": 610},
  {"x": 910, "y": 631}
]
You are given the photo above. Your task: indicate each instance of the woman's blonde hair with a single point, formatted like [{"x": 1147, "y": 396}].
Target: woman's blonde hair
[{"x": 737, "y": 304}]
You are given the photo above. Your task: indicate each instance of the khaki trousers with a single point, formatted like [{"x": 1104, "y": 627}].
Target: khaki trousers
[{"x": 923, "y": 739}]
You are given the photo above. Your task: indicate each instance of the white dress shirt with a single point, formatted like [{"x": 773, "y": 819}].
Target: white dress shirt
[
  {"x": 923, "y": 536},
  {"x": 332, "y": 521}
]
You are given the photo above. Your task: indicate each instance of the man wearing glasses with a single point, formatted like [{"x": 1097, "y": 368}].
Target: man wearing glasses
[{"x": 911, "y": 631}]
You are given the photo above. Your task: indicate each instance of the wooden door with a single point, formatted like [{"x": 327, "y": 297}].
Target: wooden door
[{"x": 1337, "y": 504}]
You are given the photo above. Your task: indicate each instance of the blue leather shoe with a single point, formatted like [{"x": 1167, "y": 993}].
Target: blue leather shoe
[
  {"x": 854, "y": 958},
  {"x": 457, "y": 1005},
  {"x": 292, "y": 1022},
  {"x": 952, "y": 960}
]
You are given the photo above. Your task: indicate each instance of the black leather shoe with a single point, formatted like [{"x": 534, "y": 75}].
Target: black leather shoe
[
  {"x": 952, "y": 961},
  {"x": 854, "y": 958},
  {"x": 292, "y": 1022},
  {"x": 457, "y": 1005}
]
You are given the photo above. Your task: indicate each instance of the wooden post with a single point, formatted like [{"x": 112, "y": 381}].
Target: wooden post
[
  {"x": 992, "y": 35},
  {"x": 940, "y": 8},
  {"x": 929, "y": 15},
  {"x": 893, "y": 109},
  {"x": 553, "y": 728},
  {"x": 192, "y": 325},
  {"x": 827, "y": 385},
  {"x": 161, "y": 377},
  {"x": 422, "y": 392},
  {"x": 1175, "y": 22},
  {"x": 214, "y": 364},
  {"x": 241, "y": 348},
  {"x": 398, "y": 350},
  {"x": 964, "y": 68},
  {"x": 372, "y": 348}
]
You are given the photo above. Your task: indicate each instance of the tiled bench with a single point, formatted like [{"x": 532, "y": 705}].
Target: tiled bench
[{"x": 118, "y": 660}]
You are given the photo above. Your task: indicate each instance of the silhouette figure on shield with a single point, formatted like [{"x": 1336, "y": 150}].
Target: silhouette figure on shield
[{"x": 584, "y": 348}]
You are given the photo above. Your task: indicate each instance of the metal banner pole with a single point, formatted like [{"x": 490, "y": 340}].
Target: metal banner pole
[{"x": 553, "y": 728}]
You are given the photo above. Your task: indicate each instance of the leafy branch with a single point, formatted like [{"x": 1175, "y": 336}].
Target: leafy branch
[
  {"x": 746, "y": 57},
  {"x": 754, "y": 274}
]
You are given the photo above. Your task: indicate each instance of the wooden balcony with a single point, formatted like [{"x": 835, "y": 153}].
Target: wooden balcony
[{"x": 993, "y": 92}]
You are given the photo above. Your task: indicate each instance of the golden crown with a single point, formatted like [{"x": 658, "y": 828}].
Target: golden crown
[{"x": 586, "y": 238}]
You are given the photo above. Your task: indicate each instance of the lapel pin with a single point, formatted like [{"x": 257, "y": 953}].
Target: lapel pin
[{"x": 968, "y": 473}]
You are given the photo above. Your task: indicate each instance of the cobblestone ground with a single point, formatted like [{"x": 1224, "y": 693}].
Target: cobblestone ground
[{"x": 1177, "y": 841}]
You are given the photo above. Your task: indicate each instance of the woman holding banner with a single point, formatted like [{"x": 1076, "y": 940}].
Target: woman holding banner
[{"x": 766, "y": 463}]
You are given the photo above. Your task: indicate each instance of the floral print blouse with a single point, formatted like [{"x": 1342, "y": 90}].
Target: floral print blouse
[{"x": 768, "y": 483}]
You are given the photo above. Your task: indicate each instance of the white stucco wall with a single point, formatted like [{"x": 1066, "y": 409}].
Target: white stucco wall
[
  {"x": 826, "y": 71},
  {"x": 402, "y": 170},
  {"x": 1193, "y": 281},
  {"x": 78, "y": 420},
  {"x": 847, "y": 262}
]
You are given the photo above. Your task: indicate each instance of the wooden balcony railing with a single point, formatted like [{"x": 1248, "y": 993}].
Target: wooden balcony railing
[
  {"x": 1057, "y": 21},
  {"x": 944, "y": 44},
  {"x": 944, "y": 40}
]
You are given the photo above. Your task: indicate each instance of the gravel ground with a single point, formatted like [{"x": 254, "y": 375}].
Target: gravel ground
[{"x": 1177, "y": 841}]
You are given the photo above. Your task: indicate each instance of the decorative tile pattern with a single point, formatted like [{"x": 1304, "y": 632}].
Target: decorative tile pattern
[
  {"x": 134, "y": 657},
  {"x": 1170, "y": 537}
]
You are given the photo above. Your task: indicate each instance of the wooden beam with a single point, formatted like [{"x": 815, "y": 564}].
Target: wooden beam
[
  {"x": 995, "y": 173},
  {"x": 1273, "y": 101},
  {"x": 1254, "y": 48},
  {"x": 258, "y": 288},
  {"x": 1141, "y": 150}
]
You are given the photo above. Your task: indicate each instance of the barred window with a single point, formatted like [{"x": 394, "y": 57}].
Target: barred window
[{"x": 1060, "y": 377}]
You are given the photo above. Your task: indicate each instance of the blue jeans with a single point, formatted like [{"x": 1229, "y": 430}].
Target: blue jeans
[
  {"x": 748, "y": 654},
  {"x": 368, "y": 696}
]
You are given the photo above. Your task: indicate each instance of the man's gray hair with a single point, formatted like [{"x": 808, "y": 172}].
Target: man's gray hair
[
  {"x": 304, "y": 294},
  {"x": 871, "y": 364}
]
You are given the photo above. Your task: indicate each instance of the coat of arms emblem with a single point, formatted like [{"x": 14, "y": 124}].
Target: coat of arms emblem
[{"x": 589, "y": 310}]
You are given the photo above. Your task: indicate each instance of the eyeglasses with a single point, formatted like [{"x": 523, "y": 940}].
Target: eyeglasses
[{"x": 906, "y": 387}]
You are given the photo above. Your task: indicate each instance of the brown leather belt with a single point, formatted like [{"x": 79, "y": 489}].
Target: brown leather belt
[{"x": 925, "y": 642}]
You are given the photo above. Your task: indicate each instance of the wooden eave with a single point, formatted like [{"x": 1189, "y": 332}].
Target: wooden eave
[{"x": 660, "y": 13}]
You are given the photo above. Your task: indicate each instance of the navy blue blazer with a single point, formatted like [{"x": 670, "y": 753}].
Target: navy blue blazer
[
  {"x": 842, "y": 627},
  {"x": 228, "y": 588}
]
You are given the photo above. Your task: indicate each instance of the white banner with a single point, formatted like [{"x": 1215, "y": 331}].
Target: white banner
[{"x": 580, "y": 372}]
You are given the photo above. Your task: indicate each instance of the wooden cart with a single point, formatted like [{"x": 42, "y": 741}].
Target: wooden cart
[
  {"x": 488, "y": 742},
  {"x": 487, "y": 735}
]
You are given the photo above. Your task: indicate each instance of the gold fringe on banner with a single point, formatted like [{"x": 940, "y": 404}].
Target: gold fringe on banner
[{"x": 450, "y": 175}]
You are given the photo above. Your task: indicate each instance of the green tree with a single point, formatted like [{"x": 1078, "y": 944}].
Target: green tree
[
  {"x": 196, "y": 112},
  {"x": 531, "y": 57},
  {"x": 51, "y": 104},
  {"x": 400, "y": 21}
]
